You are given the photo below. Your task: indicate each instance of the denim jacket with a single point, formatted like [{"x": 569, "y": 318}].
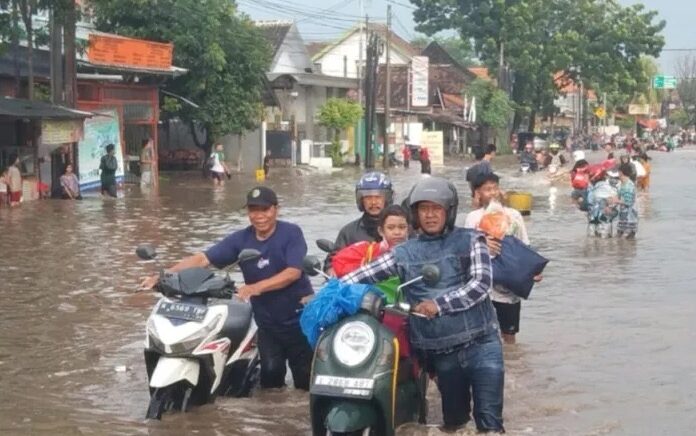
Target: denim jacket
[{"x": 451, "y": 253}]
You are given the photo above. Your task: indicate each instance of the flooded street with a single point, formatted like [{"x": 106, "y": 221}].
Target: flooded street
[{"x": 607, "y": 344}]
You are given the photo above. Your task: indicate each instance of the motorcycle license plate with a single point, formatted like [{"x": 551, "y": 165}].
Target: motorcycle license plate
[
  {"x": 343, "y": 386},
  {"x": 185, "y": 311}
]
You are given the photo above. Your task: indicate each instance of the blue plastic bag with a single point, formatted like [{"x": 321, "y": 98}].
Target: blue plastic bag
[
  {"x": 333, "y": 302},
  {"x": 516, "y": 266}
]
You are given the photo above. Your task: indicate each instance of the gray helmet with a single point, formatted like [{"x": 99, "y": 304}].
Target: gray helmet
[{"x": 438, "y": 191}]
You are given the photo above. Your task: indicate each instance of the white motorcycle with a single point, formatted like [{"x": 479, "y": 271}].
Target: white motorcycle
[{"x": 196, "y": 350}]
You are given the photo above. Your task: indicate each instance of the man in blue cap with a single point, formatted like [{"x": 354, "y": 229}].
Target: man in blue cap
[{"x": 275, "y": 284}]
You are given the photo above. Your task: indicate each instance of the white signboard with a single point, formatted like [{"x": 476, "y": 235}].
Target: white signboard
[
  {"x": 433, "y": 142},
  {"x": 99, "y": 131},
  {"x": 419, "y": 81}
]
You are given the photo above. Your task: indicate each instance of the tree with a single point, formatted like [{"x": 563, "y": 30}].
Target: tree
[
  {"x": 686, "y": 87},
  {"x": 597, "y": 42},
  {"x": 493, "y": 107},
  {"x": 679, "y": 118},
  {"x": 456, "y": 47},
  {"x": 27, "y": 8},
  {"x": 225, "y": 55},
  {"x": 339, "y": 114}
]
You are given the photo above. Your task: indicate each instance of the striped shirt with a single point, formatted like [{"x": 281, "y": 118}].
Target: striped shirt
[{"x": 474, "y": 291}]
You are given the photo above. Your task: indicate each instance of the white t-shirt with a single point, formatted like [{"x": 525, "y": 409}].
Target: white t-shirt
[
  {"x": 518, "y": 230},
  {"x": 217, "y": 166}
]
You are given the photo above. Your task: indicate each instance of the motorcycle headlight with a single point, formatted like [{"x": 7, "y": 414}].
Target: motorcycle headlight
[{"x": 353, "y": 343}]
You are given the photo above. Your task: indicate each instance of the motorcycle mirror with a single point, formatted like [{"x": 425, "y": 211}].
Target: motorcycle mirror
[
  {"x": 248, "y": 254},
  {"x": 311, "y": 265},
  {"x": 146, "y": 251},
  {"x": 326, "y": 246},
  {"x": 431, "y": 274}
]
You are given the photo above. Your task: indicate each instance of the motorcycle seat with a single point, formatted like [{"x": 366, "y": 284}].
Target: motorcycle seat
[{"x": 237, "y": 322}]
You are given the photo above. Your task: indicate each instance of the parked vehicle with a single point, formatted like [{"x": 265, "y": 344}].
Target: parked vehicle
[{"x": 199, "y": 342}]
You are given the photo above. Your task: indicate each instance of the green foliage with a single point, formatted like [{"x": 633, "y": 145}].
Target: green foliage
[
  {"x": 493, "y": 107},
  {"x": 627, "y": 123},
  {"x": 339, "y": 114},
  {"x": 680, "y": 118},
  {"x": 460, "y": 49},
  {"x": 597, "y": 41},
  {"x": 225, "y": 55},
  {"x": 686, "y": 86}
]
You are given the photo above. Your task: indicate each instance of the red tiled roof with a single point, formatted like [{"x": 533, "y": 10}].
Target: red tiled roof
[{"x": 480, "y": 72}]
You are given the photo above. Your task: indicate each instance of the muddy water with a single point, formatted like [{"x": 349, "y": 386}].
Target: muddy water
[{"x": 607, "y": 341}]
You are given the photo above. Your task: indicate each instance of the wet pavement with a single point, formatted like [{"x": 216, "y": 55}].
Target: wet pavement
[{"x": 606, "y": 347}]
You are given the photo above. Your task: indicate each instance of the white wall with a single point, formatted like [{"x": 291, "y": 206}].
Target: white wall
[
  {"x": 292, "y": 56},
  {"x": 332, "y": 61}
]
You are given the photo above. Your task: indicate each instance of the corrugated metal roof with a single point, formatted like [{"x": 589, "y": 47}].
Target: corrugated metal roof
[{"x": 21, "y": 108}]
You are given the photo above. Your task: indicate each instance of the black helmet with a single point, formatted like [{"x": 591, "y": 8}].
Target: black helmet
[
  {"x": 373, "y": 183},
  {"x": 439, "y": 191}
]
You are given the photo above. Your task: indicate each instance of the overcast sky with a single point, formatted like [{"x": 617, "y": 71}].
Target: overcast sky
[{"x": 338, "y": 15}]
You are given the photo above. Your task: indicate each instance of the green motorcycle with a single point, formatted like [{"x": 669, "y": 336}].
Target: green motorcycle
[{"x": 364, "y": 380}]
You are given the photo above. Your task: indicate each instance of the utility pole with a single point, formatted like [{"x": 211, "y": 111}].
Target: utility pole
[
  {"x": 69, "y": 30},
  {"x": 360, "y": 55},
  {"x": 582, "y": 107},
  {"x": 372, "y": 62},
  {"x": 387, "y": 94},
  {"x": 604, "y": 105},
  {"x": 56, "y": 57}
]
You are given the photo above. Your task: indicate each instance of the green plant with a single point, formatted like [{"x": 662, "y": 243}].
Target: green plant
[{"x": 339, "y": 114}]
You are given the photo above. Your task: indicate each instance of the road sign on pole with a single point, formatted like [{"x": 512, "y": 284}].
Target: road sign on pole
[
  {"x": 664, "y": 82},
  {"x": 600, "y": 112}
]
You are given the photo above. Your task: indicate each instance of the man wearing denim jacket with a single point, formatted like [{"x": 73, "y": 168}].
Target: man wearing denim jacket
[{"x": 458, "y": 330}]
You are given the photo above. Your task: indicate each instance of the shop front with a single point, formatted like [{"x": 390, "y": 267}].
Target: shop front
[{"x": 41, "y": 135}]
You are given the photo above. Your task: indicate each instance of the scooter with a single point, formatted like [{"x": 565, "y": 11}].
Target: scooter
[
  {"x": 364, "y": 379},
  {"x": 195, "y": 349}
]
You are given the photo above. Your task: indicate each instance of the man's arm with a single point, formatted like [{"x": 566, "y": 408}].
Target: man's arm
[
  {"x": 279, "y": 281},
  {"x": 374, "y": 272},
  {"x": 198, "y": 260},
  {"x": 478, "y": 286}
]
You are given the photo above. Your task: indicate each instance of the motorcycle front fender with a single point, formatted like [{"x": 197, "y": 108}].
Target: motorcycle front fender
[
  {"x": 349, "y": 416},
  {"x": 170, "y": 370}
]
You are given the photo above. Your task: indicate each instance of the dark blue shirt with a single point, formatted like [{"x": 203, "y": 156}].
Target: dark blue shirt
[{"x": 284, "y": 249}]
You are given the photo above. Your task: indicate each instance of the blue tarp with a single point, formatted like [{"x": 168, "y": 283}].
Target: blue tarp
[{"x": 333, "y": 302}]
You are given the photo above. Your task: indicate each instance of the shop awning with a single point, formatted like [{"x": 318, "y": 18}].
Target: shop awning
[
  {"x": 21, "y": 108},
  {"x": 651, "y": 124}
]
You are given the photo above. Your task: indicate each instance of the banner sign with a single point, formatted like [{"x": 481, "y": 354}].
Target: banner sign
[
  {"x": 128, "y": 52},
  {"x": 99, "y": 131},
  {"x": 434, "y": 143},
  {"x": 60, "y": 132},
  {"x": 419, "y": 81}
]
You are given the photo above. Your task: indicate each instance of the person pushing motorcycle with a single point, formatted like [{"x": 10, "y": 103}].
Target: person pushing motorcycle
[
  {"x": 275, "y": 284},
  {"x": 458, "y": 332}
]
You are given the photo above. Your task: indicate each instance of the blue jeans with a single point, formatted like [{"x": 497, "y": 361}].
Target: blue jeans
[{"x": 476, "y": 370}]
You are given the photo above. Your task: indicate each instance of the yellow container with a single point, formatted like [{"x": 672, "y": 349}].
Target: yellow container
[
  {"x": 260, "y": 175},
  {"x": 521, "y": 201}
]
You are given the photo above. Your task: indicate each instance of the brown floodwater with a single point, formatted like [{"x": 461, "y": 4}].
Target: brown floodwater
[{"x": 607, "y": 343}]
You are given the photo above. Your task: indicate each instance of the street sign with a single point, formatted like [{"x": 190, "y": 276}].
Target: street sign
[
  {"x": 664, "y": 82},
  {"x": 600, "y": 112},
  {"x": 638, "y": 109}
]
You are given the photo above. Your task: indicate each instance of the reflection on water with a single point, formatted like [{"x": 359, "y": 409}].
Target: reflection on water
[{"x": 605, "y": 348}]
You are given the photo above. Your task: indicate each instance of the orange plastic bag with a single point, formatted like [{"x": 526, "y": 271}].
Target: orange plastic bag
[{"x": 495, "y": 221}]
